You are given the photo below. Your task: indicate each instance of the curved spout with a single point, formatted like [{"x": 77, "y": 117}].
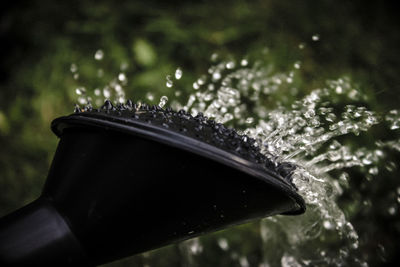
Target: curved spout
[{"x": 36, "y": 235}]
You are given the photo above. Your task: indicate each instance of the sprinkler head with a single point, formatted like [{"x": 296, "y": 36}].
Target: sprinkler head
[{"x": 131, "y": 178}]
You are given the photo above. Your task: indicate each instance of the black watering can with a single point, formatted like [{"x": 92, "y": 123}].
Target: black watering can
[{"x": 130, "y": 178}]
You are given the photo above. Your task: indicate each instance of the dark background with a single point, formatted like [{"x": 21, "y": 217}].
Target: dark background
[{"x": 40, "y": 39}]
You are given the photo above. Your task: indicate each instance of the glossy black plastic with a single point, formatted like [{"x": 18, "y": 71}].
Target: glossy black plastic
[{"x": 117, "y": 189}]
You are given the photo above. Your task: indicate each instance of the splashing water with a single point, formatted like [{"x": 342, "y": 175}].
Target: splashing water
[{"x": 309, "y": 132}]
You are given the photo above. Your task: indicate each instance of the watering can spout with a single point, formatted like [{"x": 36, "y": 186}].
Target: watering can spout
[
  {"x": 37, "y": 235},
  {"x": 125, "y": 181}
]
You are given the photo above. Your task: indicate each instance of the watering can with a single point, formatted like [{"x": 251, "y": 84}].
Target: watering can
[{"x": 129, "y": 179}]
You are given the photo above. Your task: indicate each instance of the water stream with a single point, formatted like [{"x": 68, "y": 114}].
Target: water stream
[{"x": 314, "y": 131}]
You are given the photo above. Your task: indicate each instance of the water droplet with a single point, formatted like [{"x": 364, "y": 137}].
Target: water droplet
[
  {"x": 178, "y": 73},
  {"x": 201, "y": 80},
  {"x": 106, "y": 92},
  {"x": 243, "y": 262},
  {"x": 302, "y": 45},
  {"x": 244, "y": 62},
  {"x": 129, "y": 104},
  {"x": 196, "y": 86},
  {"x": 163, "y": 101},
  {"x": 73, "y": 68},
  {"x": 107, "y": 105},
  {"x": 328, "y": 225},
  {"x": 315, "y": 37},
  {"x": 223, "y": 244},
  {"x": 395, "y": 126},
  {"x": 339, "y": 89},
  {"x": 392, "y": 210},
  {"x": 367, "y": 161},
  {"x": 391, "y": 166},
  {"x": 82, "y": 100},
  {"x": 80, "y": 90},
  {"x": 121, "y": 99},
  {"x": 77, "y": 109},
  {"x": 169, "y": 82},
  {"x": 194, "y": 245},
  {"x": 99, "y": 54},
  {"x": 214, "y": 57},
  {"x": 353, "y": 94},
  {"x": 330, "y": 117},
  {"x": 373, "y": 170},
  {"x": 250, "y": 120},
  {"x": 230, "y": 65},
  {"x": 76, "y": 76},
  {"x": 122, "y": 77},
  {"x": 119, "y": 90},
  {"x": 297, "y": 65},
  {"x": 150, "y": 96},
  {"x": 334, "y": 155},
  {"x": 216, "y": 76}
]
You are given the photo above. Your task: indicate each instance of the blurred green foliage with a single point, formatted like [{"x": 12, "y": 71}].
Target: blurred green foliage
[{"x": 41, "y": 39}]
